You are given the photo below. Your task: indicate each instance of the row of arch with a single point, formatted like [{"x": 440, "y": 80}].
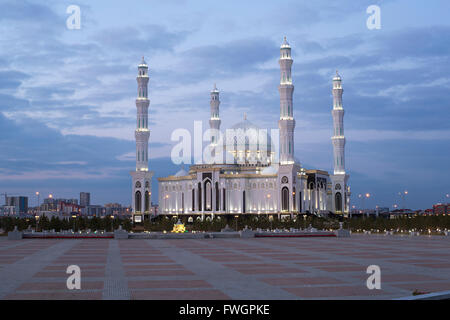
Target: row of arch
[{"x": 138, "y": 201}]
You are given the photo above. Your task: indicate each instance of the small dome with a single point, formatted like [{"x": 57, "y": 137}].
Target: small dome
[
  {"x": 181, "y": 173},
  {"x": 337, "y": 77},
  {"x": 215, "y": 90},
  {"x": 143, "y": 63},
  {"x": 285, "y": 44}
]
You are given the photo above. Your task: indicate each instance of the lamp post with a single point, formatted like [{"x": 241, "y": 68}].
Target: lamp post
[
  {"x": 367, "y": 195},
  {"x": 361, "y": 205},
  {"x": 403, "y": 196},
  {"x": 39, "y": 209},
  {"x": 236, "y": 217}
]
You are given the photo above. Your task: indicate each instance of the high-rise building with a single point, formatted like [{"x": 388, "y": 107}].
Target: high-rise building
[
  {"x": 85, "y": 199},
  {"x": 19, "y": 203},
  {"x": 141, "y": 177}
]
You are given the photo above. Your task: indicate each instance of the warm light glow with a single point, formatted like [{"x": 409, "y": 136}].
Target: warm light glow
[
  {"x": 50, "y": 196},
  {"x": 367, "y": 195},
  {"x": 37, "y": 193}
]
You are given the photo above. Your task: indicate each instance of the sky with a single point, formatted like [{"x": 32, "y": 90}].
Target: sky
[{"x": 67, "y": 96}]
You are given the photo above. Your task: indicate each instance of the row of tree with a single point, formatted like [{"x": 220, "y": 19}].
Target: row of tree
[{"x": 164, "y": 223}]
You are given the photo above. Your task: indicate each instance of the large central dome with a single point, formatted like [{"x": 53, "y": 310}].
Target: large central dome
[{"x": 249, "y": 144}]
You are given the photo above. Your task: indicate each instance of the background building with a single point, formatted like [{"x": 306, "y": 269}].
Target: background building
[{"x": 85, "y": 199}]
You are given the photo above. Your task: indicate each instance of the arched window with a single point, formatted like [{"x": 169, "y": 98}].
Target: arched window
[
  {"x": 193, "y": 199},
  {"x": 217, "y": 197},
  {"x": 285, "y": 199},
  {"x": 208, "y": 196},
  {"x": 199, "y": 196},
  {"x": 338, "y": 201},
  {"x": 147, "y": 201},
  {"x": 223, "y": 199},
  {"x": 137, "y": 202},
  {"x": 243, "y": 201},
  {"x": 294, "y": 203}
]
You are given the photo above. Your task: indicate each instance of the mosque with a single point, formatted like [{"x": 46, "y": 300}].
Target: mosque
[{"x": 250, "y": 173}]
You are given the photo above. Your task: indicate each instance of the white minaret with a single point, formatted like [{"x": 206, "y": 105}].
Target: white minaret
[
  {"x": 286, "y": 124},
  {"x": 141, "y": 196},
  {"x": 341, "y": 192},
  {"x": 214, "y": 121},
  {"x": 338, "y": 124}
]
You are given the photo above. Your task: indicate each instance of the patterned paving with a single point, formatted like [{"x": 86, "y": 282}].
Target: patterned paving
[{"x": 263, "y": 268}]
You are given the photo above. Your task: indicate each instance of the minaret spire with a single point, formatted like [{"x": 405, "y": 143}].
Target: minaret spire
[
  {"x": 340, "y": 190},
  {"x": 286, "y": 124},
  {"x": 141, "y": 184},
  {"x": 214, "y": 121},
  {"x": 338, "y": 123}
]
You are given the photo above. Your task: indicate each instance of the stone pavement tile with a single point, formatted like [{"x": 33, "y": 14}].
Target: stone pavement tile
[
  {"x": 251, "y": 265},
  {"x": 434, "y": 265},
  {"x": 423, "y": 286},
  {"x": 335, "y": 292},
  {"x": 78, "y": 260},
  {"x": 229, "y": 257},
  {"x": 322, "y": 263},
  {"x": 55, "y": 296},
  {"x": 166, "y": 284},
  {"x": 410, "y": 261},
  {"x": 179, "y": 295},
  {"x": 342, "y": 268},
  {"x": 60, "y": 285},
  {"x": 63, "y": 274},
  {"x": 9, "y": 260},
  {"x": 153, "y": 266},
  {"x": 401, "y": 277},
  {"x": 155, "y": 273},
  {"x": 286, "y": 257},
  {"x": 281, "y": 270},
  {"x": 155, "y": 259},
  {"x": 295, "y": 281},
  {"x": 64, "y": 267}
]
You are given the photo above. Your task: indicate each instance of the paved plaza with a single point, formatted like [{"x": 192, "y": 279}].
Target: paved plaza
[{"x": 256, "y": 268}]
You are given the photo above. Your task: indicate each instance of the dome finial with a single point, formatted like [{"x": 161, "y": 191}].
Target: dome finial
[
  {"x": 337, "y": 76},
  {"x": 285, "y": 43},
  {"x": 245, "y": 116}
]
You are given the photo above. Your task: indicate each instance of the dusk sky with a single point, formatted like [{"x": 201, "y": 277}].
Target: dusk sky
[{"x": 67, "y": 97}]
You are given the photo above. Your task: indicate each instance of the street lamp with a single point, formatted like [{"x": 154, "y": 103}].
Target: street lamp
[
  {"x": 236, "y": 216},
  {"x": 361, "y": 197},
  {"x": 367, "y": 195}
]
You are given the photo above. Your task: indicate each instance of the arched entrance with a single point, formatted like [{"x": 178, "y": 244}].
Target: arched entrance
[
  {"x": 137, "y": 201},
  {"x": 285, "y": 199},
  {"x": 338, "y": 201}
]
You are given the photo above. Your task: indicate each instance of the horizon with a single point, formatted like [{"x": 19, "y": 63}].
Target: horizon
[{"x": 67, "y": 97}]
